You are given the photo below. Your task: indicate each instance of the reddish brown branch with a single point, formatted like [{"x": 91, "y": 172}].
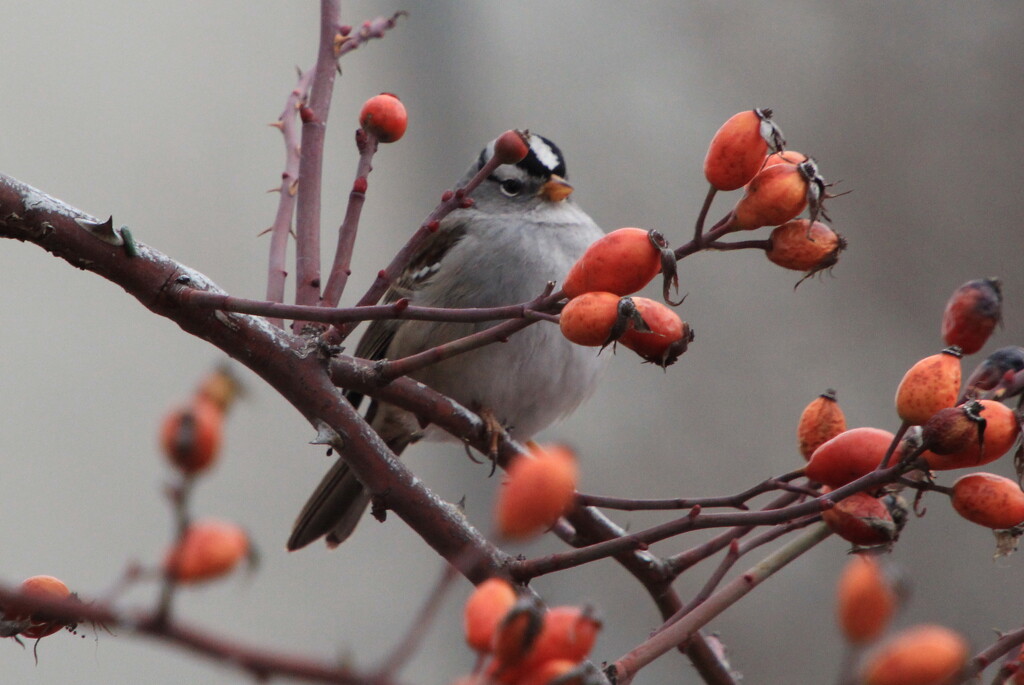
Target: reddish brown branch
[
  {"x": 366, "y": 143},
  {"x": 260, "y": 661},
  {"x": 288, "y": 364},
  {"x": 450, "y": 201},
  {"x": 280, "y": 230},
  {"x": 401, "y": 309},
  {"x": 524, "y": 570},
  {"x": 314, "y": 127}
]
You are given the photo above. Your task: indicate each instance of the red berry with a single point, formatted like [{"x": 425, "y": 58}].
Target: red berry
[
  {"x": 864, "y": 520},
  {"x": 42, "y": 587},
  {"x": 384, "y": 116},
  {"x": 920, "y": 655},
  {"x": 987, "y": 442},
  {"x": 209, "y": 549},
  {"x": 738, "y": 149},
  {"x": 972, "y": 313},
  {"x": 589, "y": 319},
  {"x": 191, "y": 435},
  {"x": 538, "y": 489},
  {"x": 668, "y": 338},
  {"x": 989, "y": 500},
  {"x": 776, "y": 195},
  {"x": 803, "y": 245},
  {"x": 622, "y": 262},
  {"x": 865, "y": 599},
  {"x": 848, "y": 456},
  {"x": 484, "y": 611},
  {"x": 511, "y": 147}
]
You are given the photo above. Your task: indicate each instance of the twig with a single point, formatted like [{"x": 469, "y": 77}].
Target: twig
[
  {"x": 987, "y": 656},
  {"x": 396, "y": 310},
  {"x": 391, "y": 369},
  {"x": 626, "y": 667},
  {"x": 698, "y": 234},
  {"x": 314, "y": 126},
  {"x": 737, "y": 501},
  {"x": 450, "y": 201},
  {"x": 525, "y": 570},
  {"x": 280, "y": 230},
  {"x": 406, "y": 648},
  {"x": 261, "y": 662},
  {"x": 366, "y": 143}
]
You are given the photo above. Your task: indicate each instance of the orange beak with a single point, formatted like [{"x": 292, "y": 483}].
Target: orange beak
[{"x": 556, "y": 189}]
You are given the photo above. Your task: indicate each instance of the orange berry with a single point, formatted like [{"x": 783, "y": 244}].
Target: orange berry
[
  {"x": 538, "y": 489},
  {"x": 209, "y": 549},
  {"x": 42, "y": 587},
  {"x": 589, "y": 319},
  {"x": 776, "y": 195},
  {"x": 803, "y": 245},
  {"x": 848, "y": 456},
  {"x": 621, "y": 262},
  {"x": 384, "y": 116},
  {"x": 989, "y": 500},
  {"x": 191, "y": 435},
  {"x": 738, "y": 149},
  {"x": 515, "y": 635},
  {"x": 1001, "y": 429},
  {"x": 485, "y": 608},
  {"x": 972, "y": 313},
  {"x": 865, "y": 599},
  {"x": 930, "y": 385},
  {"x": 864, "y": 520},
  {"x": 668, "y": 338},
  {"x": 569, "y": 633},
  {"x": 920, "y": 655},
  {"x": 221, "y": 387},
  {"x": 820, "y": 421}
]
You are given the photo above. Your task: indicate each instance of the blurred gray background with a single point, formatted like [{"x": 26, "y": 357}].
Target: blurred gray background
[{"x": 156, "y": 113}]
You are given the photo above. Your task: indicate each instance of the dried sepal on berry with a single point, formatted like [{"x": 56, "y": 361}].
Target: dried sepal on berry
[
  {"x": 972, "y": 313},
  {"x": 666, "y": 336},
  {"x": 820, "y": 421},
  {"x": 738, "y": 149}
]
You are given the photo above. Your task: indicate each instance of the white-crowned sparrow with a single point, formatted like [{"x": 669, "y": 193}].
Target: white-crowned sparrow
[{"x": 521, "y": 232}]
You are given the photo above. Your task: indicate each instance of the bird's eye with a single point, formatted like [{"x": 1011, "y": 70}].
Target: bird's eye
[{"x": 512, "y": 187}]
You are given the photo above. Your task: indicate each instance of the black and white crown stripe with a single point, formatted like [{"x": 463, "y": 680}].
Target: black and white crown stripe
[{"x": 542, "y": 161}]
